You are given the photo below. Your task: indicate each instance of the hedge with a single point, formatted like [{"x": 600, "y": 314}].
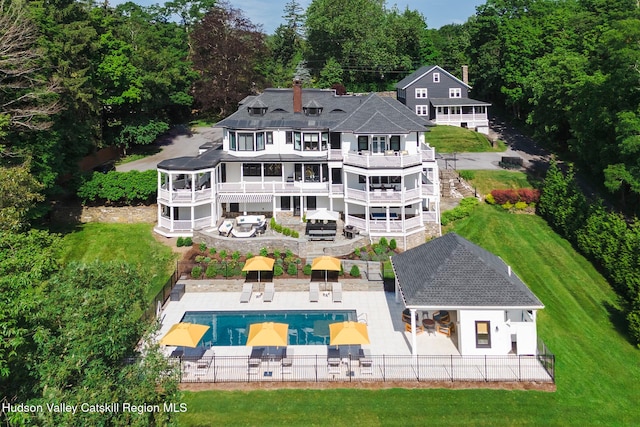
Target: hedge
[{"x": 119, "y": 187}]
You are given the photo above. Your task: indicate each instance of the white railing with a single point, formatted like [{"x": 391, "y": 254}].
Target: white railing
[
  {"x": 429, "y": 216},
  {"x": 382, "y": 196},
  {"x": 413, "y": 193},
  {"x": 202, "y": 223},
  {"x": 273, "y": 187},
  {"x": 370, "y": 161},
  {"x": 428, "y": 153},
  {"x": 413, "y": 222},
  {"x": 335, "y": 155},
  {"x": 181, "y": 225},
  {"x": 357, "y": 222},
  {"x": 337, "y": 189},
  {"x": 165, "y": 222},
  {"x": 428, "y": 189},
  {"x": 185, "y": 195},
  {"x": 474, "y": 118}
]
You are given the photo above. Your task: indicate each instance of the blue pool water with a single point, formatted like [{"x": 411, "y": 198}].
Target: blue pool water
[{"x": 230, "y": 328}]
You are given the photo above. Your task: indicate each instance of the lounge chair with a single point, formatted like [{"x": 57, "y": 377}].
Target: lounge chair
[
  {"x": 366, "y": 364},
  {"x": 247, "y": 289},
  {"x": 269, "y": 290},
  {"x": 202, "y": 366},
  {"x": 337, "y": 292},
  {"x": 333, "y": 361},
  {"x": 253, "y": 367},
  {"x": 287, "y": 362},
  {"x": 314, "y": 292}
]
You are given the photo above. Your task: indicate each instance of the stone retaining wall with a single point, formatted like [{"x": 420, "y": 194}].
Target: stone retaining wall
[
  {"x": 106, "y": 214},
  {"x": 280, "y": 285}
]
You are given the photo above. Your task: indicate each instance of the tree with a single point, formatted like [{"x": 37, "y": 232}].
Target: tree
[
  {"x": 227, "y": 48},
  {"x": 20, "y": 193},
  {"x": 331, "y": 74}
]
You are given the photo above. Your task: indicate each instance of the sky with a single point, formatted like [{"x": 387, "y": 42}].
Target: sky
[{"x": 268, "y": 13}]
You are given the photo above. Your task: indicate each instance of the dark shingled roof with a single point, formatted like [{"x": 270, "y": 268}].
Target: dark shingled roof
[
  {"x": 402, "y": 84},
  {"x": 450, "y": 272}
]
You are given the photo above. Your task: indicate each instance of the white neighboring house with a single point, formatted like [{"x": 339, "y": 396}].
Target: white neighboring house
[
  {"x": 492, "y": 312},
  {"x": 294, "y": 150},
  {"x": 436, "y": 94}
]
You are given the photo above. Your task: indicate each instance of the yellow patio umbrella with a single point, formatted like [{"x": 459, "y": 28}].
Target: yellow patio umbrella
[
  {"x": 268, "y": 334},
  {"x": 348, "y": 333},
  {"x": 259, "y": 263},
  {"x": 184, "y": 335},
  {"x": 326, "y": 263}
]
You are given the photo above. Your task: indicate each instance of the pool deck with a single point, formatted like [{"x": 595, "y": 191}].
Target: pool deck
[{"x": 378, "y": 308}]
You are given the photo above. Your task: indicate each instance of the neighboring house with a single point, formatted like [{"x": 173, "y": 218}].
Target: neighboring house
[
  {"x": 439, "y": 96},
  {"x": 287, "y": 151},
  {"x": 492, "y": 312}
]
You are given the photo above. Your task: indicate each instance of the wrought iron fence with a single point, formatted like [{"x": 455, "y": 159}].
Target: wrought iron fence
[
  {"x": 546, "y": 359},
  {"x": 158, "y": 301},
  {"x": 384, "y": 368}
]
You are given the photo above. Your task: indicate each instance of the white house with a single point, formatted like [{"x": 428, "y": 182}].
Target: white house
[
  {"x": 288, "y": 151},
  {"x": 489, "y": 310}
]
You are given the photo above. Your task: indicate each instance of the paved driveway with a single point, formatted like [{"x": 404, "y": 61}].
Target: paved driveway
[{"x": 178, "y": 143}]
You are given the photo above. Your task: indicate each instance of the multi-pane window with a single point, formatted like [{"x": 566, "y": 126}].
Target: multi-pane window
[
  {"x": 297, "y": 137},
  {"x": 289, "y": 139},
  {"x": 378, "y": 144},
  {"x": 245, "y": 142},
  {"x": 269, "y": 136},
  {"x": 483, "y": 335},
  {"x": 422, "y": 110},
  {"x": 311, "y": 142},
  {"x": 251, "y": 169},
  {"x": 436, "y": 77},
  {"x": 260, "y": 141},
  {"x": 273, "y": 169},
  {"x": 421, "y": 93},
  {"x": 455, "y": 92},
  {"x": 394, "y": 143}
]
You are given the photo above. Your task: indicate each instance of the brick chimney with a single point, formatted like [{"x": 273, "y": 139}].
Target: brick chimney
[
  {"x": 465, "y": 74},
  {"x": 297, "y": 95}
]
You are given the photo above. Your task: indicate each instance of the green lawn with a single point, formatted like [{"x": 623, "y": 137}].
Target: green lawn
[
  {"x": 450, "y": 139},
  {"x": 486, "y": 180},
  {"x": 132, "y": 243},
  {"x": 597, "y": 371}
]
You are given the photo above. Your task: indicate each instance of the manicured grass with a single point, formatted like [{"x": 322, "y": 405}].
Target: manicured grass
[
  {"x": 131, "y": 158},
  {"x": 597, "y": 370},
  {"x": 132, "y": 243},
  {"x": 486, "y": 180},
  {"x": 450, "y": 139}
]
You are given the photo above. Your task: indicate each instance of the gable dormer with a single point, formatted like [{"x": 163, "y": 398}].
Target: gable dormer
[
  {"x": 312, "y": 108},
  {"x": 256, "y": 108}
]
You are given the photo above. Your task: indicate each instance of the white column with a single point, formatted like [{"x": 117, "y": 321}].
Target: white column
[
  {"x": 414, "y": 341},
  {"x": 388, "y": 220},
  {"x": 170, "y": 187},
  {"x": 273, "y": 206}
]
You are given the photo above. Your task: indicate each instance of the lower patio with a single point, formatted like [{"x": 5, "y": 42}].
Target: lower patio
[{"x": 388, "y": 357}]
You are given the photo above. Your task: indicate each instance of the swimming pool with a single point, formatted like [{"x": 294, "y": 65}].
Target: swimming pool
[{"x": 230, "y": 328}]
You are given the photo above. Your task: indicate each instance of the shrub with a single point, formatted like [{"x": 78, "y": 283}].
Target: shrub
[
  {"x": 223, "y": 254},
  {"x": 463, "y": 210},
  {"x": 188, "y": 241},
  {"x": 286, "y": 232},
  {"x": 203, "y": 247},
  {"x": 356, "y": 252},
  {"x": 306, "y": 270},
  {"x": 393, "y": 244},
  {"x": 272, "y": 222},
  {"x": 211, "y": 272},
  {"x": 292, "y": 269},
  {"x": 276, "y": 254},
  {"x": 503, "y": 196},
  {"x": 383, "y": 242},
  {"x": 180, "y": 242},
  {"x": 521, "y": 206},
  {"x": 235, "y": 255},
  {"x": 288, "y": 253},
  {"x": 489, "y": 199},
  {"x": 119, "y": 187},
  {"x": 249, "y": 255},
  {"x": 529, "y": 195},
  {"x": 378, "y": 250},
  {"x": 295, "y": 234},
  {"x": 199, "y": 258},
  {"x": 196, "y": 272},
  {"x": 206, "y": 260},
  {"x": 278, "y": 228},
  {"x": 264, "y": 251},
  {"x": 355, "y": 271},
  {"x": 212, "y": 251},
  {"x": 277, "y": 270},
  {"x": 506, "y": 206}
]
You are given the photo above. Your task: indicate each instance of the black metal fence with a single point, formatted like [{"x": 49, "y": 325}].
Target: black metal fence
[
  {"x": 547, "y": 359},
  {"x": 309, "y": 368},
  {"x": 161, "y": 297}
]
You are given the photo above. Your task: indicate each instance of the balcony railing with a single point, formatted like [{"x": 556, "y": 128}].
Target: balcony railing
[
  {"x": 384, "y": 226},
  {"x": 473, "y": 118},
  {"x": 185, "y": 195},
  {"x": 384, "y": 196},
  {"x": 184, "y": 224},
  {"x": 382, "y": 161},
  {"x": 273, "y": 187},
  {"x": 428, "y": 153}
]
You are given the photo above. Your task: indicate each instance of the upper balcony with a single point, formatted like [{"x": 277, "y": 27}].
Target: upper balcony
[{"x": 387, "y": 160}]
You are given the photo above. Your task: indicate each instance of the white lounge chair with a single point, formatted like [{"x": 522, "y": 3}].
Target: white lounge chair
[
  {"x": 247, "y": 289},
  {"x": 314, "y": 292},
  {"x": 336, "y": 291},
  {"x": 269, "y": 290},
  {"x": 366, "y": 364},
  {"x": 287, "y": 362}
]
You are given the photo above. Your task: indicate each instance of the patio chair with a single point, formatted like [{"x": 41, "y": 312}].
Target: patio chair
[
  {"x": 314, "y": 292},
  {"x": 336, "y": 291},
  {"x": 445, "y": 328},
  {"x": 287, "y": 362},
  {"x": 202, "y": 366},
  {"x": 442, "y": 316},
  {"x": 247, "y": 289},
  {"x": 254, "y": 366},
  {"x": 269, "y": 290},
  {"x": 366, "y": 364}
]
